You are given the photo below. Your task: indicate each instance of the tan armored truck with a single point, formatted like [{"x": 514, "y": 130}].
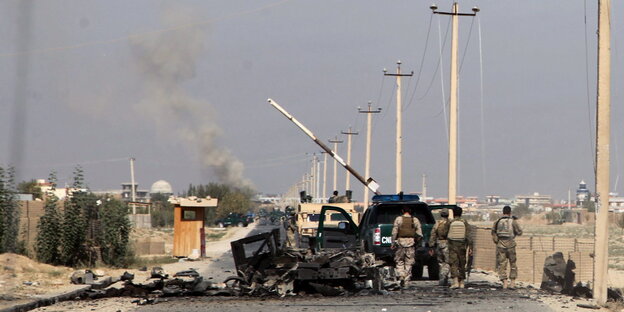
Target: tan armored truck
[{"x": 308, "y": 217}]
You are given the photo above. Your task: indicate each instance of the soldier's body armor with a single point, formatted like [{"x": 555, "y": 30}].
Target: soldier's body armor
[
  {"x": 504, "y": 228},
  {"x": 407, "y": 228},
  {"x": 457, "y": 231}
]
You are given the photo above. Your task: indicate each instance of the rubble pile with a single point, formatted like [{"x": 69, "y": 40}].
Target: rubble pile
[{"x": 264, "y": 269}]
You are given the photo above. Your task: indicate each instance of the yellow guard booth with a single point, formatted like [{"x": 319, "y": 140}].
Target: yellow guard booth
[{"x": 188, "y": 224}]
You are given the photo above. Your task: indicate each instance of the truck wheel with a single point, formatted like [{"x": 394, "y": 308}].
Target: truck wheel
[
  {"x": 221, "y": 225},
  {"x": 240, "y": 224},
  {"x": 433, "y": 268}
]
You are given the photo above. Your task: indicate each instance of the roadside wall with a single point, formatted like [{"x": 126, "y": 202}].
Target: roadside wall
[
  {"x": 30, "y": 212},
  {"x": 531, "y": 252}
]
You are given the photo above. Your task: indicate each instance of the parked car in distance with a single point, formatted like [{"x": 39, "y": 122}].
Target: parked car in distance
[{"x": 232, "y": 219}]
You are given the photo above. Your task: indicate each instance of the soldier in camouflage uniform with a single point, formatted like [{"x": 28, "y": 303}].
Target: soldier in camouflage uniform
[
  {"x": 459, "y": 244},
  {"x": 438, "y": 239},
  {"x": 406, "y": 232},
  {"x": 503, "y": 233},
  {"x": 290, "y": 227}
]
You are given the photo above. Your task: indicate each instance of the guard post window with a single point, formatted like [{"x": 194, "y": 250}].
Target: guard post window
[{"x": 189, "y": 215}]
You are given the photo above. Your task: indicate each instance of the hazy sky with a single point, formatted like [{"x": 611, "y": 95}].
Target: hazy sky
[{"x": 182, "y": 87}]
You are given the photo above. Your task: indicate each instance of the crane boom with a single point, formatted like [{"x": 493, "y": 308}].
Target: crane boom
[{"x": 370, "y": 182}]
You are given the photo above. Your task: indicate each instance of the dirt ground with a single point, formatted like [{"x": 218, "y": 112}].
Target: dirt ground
[{"x": 22, "y": 278}]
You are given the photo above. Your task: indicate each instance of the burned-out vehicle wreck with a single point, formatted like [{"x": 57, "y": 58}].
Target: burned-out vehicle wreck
[{"x": 333, "y": 263}]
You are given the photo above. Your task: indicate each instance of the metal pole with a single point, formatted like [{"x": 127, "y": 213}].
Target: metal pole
[
  {"x": 348, "y": 133},
  {"x": 603, "y": 131},
  {"x": 369, "y": 130}
]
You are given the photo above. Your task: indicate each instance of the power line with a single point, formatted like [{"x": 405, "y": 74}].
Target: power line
[{"x": 144, "y": 34}]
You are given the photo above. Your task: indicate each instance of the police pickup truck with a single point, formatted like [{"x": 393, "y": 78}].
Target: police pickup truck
[{"x": 374, "y": 232}]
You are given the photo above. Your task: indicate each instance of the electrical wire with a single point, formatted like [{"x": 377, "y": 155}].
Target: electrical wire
[
  {"x": 590, "y": 123},
  {"x": 461, "y": 63},
  {"x": 422, "y": 62},
  {"x": 438, "y": 67},
  {"x": 146, "y": 33},
  {"x": 483, "y": 167}
]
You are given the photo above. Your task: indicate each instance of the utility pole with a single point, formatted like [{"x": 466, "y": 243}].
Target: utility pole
[
  {"x": 335, "y": 141},
  {"x": 132, "y": 186},
  {"x": 424, "y": 188},
  {"x": 369, "y": 122},
  {"x": 348, "y": 133},
  {"x": 324, "y": 177},
  {"x": 399, "y": 127},
  {"x": 452, "y": 165},
  {"x": 318, "y": 178},
  {"x": 603, "y": 132}
]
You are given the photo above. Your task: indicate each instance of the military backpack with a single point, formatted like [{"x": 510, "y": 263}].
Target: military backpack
[
  {"x": 457, "y": 230},
  {"x": 407, "y": 227}
]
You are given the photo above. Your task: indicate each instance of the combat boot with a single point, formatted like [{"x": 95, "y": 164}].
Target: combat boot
[
  {"x": 455, "y": 283},
  {"x": 461, "y": 284},
  {"x": 512, "y": 284},
  {"x": 504, "y": 283}
]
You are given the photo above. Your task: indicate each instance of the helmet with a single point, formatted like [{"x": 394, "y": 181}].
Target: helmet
[
  {"x": 290, "y": 210},
  {"x": 444, "y": 213}
]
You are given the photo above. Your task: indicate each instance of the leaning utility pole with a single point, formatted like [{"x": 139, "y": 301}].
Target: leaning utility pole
[
  {"x": 603, "y": 132},
  {"x": 452, "y": 165},
  {"x": 335, "y": 141},
  {"x": 399, "y": 127},
  {"x": 348, "y": 133},
  {"x": 369, "y": 130}
]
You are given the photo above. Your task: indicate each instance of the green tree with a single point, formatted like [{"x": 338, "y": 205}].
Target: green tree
[
  {"x": 589, "y": 205},
  {"x": 73, "y": 232},
  {"x": 30, "y": 187},
  {"x": 162, "y": 211},
  {"x": 115, "y": 232},
  {"x": 48, "y": 240},
  {"x": 9, "y": 211},
  {"x": 521, "y": 210}
]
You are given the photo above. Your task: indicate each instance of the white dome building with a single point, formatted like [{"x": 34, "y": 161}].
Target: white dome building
[{"x": 161, "y": 187}]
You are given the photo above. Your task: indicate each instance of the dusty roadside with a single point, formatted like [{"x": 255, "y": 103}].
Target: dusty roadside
[{"x": 24, "y": 280}]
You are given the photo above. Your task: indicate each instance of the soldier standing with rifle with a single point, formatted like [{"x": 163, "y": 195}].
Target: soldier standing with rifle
[
  {"x": 459, "y": 244},
  {"x": 438, "y": 239},
  {"x": 504, "y": 231},
  {"x": 406, "y": 232}
]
